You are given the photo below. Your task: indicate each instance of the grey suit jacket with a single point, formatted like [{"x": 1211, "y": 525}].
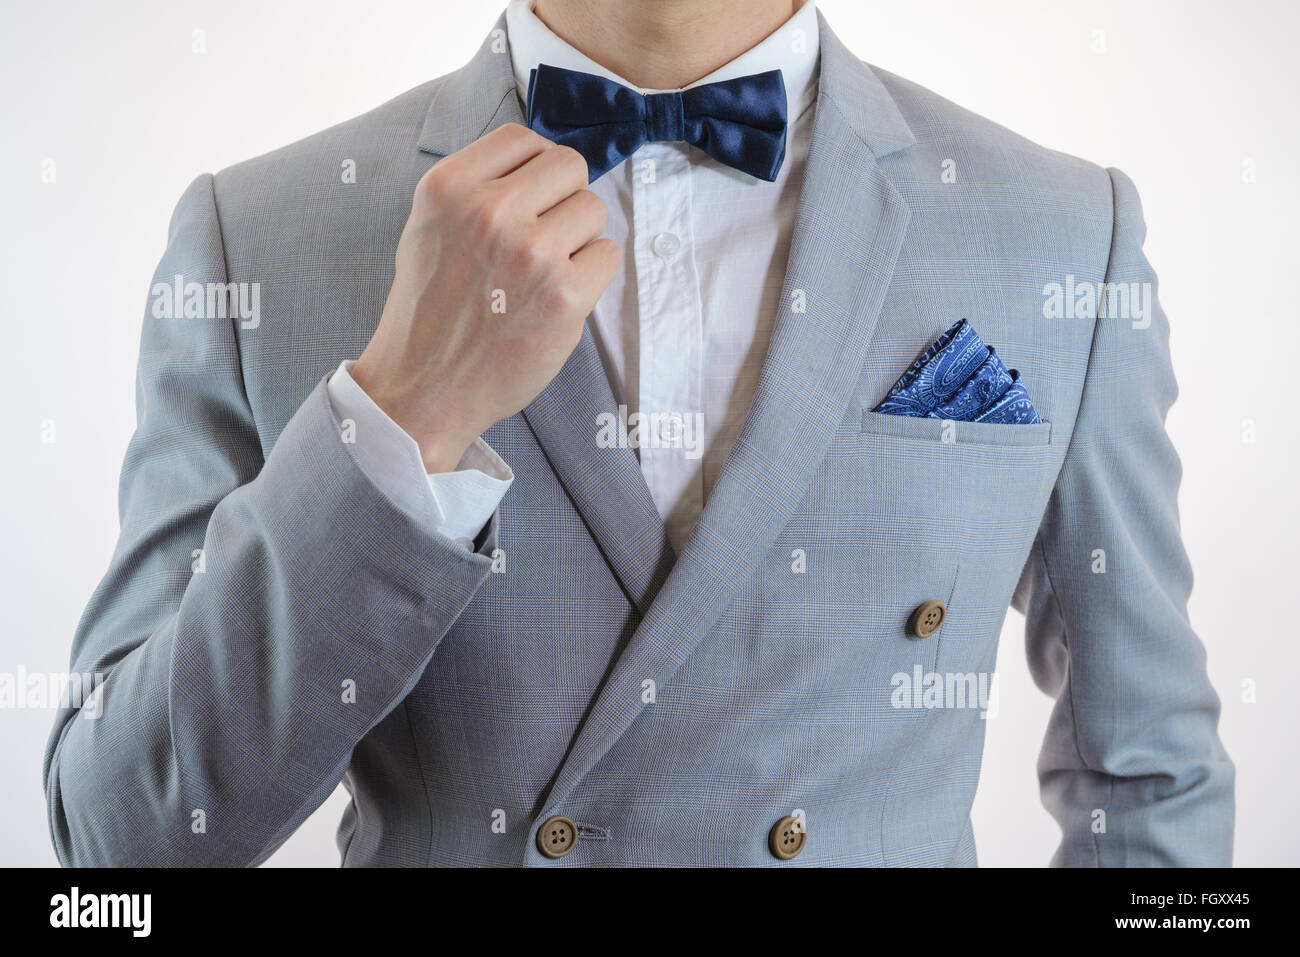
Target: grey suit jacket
[{"x": 270, "y": 624}]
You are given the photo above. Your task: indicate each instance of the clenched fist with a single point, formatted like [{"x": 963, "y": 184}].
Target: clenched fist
[{"x": 497, "y": 268}]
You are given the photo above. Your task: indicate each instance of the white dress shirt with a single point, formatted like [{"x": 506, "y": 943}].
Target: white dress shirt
[{"x": 683, "y": 329}]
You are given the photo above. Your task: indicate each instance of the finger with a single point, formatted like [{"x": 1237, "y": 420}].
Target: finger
[
  {"x": 594, "y": 267},
  {"x": 500, "y": 152},
  {"x": 573, "y": 222},
  {"x": 547, "y": 179}
]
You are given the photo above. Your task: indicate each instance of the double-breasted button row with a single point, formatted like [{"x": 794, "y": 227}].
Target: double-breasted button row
[{"x": 558, "y": 836}]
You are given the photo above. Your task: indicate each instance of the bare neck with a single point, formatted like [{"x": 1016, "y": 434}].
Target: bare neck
[{"x": 663, "y": 44}]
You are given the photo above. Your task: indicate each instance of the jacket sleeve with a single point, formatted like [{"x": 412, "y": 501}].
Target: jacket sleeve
[
  {"x": 1132, "y": 767},
  {"x": 258, "y": 616}
]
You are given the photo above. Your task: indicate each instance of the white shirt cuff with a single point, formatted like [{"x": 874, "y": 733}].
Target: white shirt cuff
[{"x": 456, "y": 504}]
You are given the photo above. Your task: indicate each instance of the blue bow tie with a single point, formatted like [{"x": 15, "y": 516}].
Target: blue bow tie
[{"x": 738, "y": 122}]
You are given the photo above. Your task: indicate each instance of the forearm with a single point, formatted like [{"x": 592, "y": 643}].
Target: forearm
[{"x": 318, "y": 608}]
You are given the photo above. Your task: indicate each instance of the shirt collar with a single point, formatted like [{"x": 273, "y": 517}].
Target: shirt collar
[{"x": 792, "y": 49}]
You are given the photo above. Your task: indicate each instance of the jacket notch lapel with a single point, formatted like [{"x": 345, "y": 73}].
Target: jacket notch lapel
[{"x": 474, "y": 100}]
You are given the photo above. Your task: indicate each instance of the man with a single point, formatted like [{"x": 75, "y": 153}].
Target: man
[{"x": 610, "y": 547}]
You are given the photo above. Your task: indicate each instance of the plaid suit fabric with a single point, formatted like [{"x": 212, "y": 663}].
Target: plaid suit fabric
[{"x": 674, "y": 706}]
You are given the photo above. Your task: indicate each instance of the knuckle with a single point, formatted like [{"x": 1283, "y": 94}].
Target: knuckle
[
  {"x": 572, "y": 164},
  {"x": 562, "y": 299},
  {"x": 436, "y": 186},
  {"x": 603, "y": 249},
  {"x": 611, "y": 257},
  {"x": 532, "y": 255},
  {"x": 593, "y": 207},
  {"x": 514, "y": 131},
  {"x": 515, "y": 134},
  {"x": 491, "y": 216}
]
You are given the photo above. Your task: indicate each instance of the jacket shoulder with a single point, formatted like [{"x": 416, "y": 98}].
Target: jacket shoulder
[
  {"x": 380, "y": 144},
  {"x": 978, "y": 151}
]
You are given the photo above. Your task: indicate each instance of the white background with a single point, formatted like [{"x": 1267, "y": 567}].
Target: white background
[{"x": 1180, "y": 95}]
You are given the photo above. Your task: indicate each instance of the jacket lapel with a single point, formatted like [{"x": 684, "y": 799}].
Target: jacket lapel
[
  {"x": 849, "y": 229},
  {"x": 606, "y": 485},
  {"x": 473, "y": 100}
]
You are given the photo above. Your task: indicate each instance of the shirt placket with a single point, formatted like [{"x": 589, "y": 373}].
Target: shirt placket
[{"x": 671, "y": 334}]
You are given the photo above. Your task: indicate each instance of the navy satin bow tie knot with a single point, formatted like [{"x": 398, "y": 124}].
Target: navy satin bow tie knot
[
  {"x": 665, "y": 117},
  {"x": 739, "y": 122}
]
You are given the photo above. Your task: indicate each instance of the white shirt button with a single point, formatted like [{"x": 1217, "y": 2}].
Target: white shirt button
[
  {"x": 670, "y": 428},
  {"x": 666, "y": 245}
]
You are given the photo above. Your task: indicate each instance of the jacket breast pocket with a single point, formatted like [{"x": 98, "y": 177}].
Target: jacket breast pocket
[
  {"x": 943, "y": 494},
  {"x": 950, "y": 432}
]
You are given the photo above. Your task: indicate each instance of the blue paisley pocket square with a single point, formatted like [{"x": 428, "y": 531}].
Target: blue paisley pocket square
[{"x": 961, "y": 379}]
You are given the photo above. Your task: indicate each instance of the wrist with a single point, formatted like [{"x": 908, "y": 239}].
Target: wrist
[
  {"x": 442, "y": 445},
  {"x": 441, "y": 453}
]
